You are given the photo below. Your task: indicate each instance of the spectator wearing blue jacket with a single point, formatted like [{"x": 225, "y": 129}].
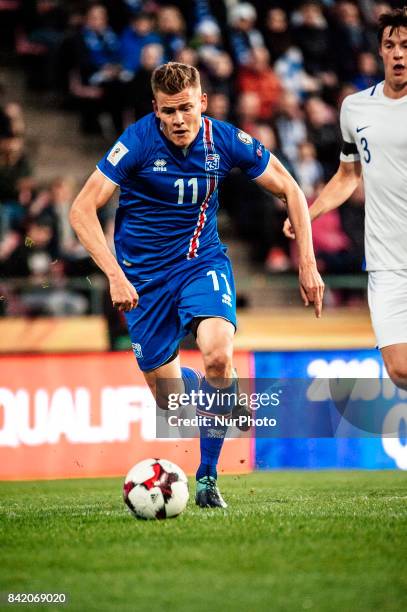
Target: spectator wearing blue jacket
[
  {"x": 137, "y": 34},
  {"x": 98, "y": 80}
]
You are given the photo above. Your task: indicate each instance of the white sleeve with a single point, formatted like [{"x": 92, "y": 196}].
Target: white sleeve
[{"x": 349, "y": 152}]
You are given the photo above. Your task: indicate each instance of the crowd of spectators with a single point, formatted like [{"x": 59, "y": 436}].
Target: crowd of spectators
[
  {"x": 278, "y": 70},
  {"x": 39, "y": 252},
  {"x": 38, "y": 249}
]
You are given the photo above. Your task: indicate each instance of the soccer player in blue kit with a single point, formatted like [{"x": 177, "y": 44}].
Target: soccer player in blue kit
[{"x": 172, "y": 274}]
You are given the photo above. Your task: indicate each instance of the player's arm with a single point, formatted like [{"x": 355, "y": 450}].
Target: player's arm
[
  {"x": 277, "y": 180},
  {"x": 96, "y": 192},
  {"x": 336, "y": 192}
]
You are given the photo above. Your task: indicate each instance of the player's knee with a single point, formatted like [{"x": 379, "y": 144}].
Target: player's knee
[
  {"x": 162, "y": 389},
  {"x": 398, "y": 374},
  {"x": 162, "y": 400},
  {"x": 218, "y": 363}
]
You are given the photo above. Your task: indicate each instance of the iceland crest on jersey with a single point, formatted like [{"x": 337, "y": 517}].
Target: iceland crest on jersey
[{"x": 212, "y": 162}]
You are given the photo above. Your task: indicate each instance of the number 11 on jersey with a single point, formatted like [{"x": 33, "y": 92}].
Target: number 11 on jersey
[
  {"x": 193, "y": 182},
  {"x": 215, "y": 281}
]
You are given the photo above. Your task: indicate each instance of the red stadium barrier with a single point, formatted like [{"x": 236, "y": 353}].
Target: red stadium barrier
[{"x": 65, "y": 416}]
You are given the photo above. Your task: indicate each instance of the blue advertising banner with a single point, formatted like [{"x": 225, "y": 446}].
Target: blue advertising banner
[{"x": 379, "y": 452}]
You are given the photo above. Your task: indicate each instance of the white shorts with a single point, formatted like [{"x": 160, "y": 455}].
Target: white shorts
[{"x": 387, "y": 295}]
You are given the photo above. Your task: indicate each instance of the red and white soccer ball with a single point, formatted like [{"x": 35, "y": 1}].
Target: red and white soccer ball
[{"x": 155, "y": 489}]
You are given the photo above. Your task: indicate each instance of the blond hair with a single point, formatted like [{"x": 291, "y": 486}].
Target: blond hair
[{"x": 173, "y": 77}]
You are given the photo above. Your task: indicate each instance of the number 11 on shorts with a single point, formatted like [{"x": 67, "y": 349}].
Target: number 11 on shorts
[{"x": 215, "y": 281}]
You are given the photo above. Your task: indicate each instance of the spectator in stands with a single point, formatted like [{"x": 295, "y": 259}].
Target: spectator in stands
[
  {"x": 248, "y": 109},
  {"x": 290, "y": 70},
  {"x": 256, "y": 215},
  {"x": 323, "y": 132},
  {"x": 345, "y": 90},
  {"x": 258, "y": 76},
  {"x": 331, "y": 244},
  {"x": 267, "y": 134},
  {"x": 98, "y": 80},
  {"x": 290, "y": 125},
  {"x": 187, "y": 55},
  {"x": 368, "y": 72},
  {"x": 333, "y": 248},
  {"x": 208, "y": 40},
  {"x": 204, "y": 10},
  {"x": 9, "y": 242},
  {"x": 349, "y": 38},
  {"x": 35, "y": 257},
  {"x": 151, "y": 57},
  {"x": 250, "y": 209},
  {"x": 101, "y": 61},
  {"x": 16, "y": 182},
  {"x": 41, "y": 31},
  {"x": 277, "y": 36},
  {"x": 243, "y": 35},
  {"x": 308, "y": 169},
  {"x": 275, "y": 247},
  {"x": 121, "y": 12},
  {"x": 371, "y": 13},
  {"x": 219, "y": 106},
  {"x": 51, "y": 206},
  {"x": 218, "y": 73},
  {"x": 305, "y": 39},
  {"x": 15, "y": 117},
  {"x": 136, "y": 35},
  {"x": 40, "y": 207},
  {"x": 33, "y": 253},
  {"x": 75, "y": 258},
  {"x": 171, "y": 29},
  {"x": 312, "y": 36},
  {"x": 12, "y": 121}
]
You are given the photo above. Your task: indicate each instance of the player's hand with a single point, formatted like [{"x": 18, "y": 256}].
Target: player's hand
[
  {"x": 123, "y": 294},
  {"x": 288, "y": 229},
  {"x": 311, "y": 287}
]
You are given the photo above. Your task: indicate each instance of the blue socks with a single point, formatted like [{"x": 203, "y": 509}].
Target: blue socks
[
  {"x": 211, "y": 436},
  {"x": 192, "y": 379}
]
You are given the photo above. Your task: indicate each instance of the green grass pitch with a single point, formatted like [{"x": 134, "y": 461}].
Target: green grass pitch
[{"x": 334, "y": 541}]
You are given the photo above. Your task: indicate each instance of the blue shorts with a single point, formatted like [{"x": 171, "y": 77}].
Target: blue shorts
[{"x": 168, "y": 303}]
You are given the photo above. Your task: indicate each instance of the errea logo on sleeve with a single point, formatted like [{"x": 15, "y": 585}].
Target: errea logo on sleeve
[{"x": 116, "y": 154}]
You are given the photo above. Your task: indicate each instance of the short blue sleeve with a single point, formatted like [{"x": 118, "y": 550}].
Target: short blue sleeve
[
  {"x": 123, "y": 159},
  {"x": 249, "y": 154}
]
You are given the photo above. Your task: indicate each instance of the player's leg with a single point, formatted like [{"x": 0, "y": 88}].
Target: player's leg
[
  {"x": 155, "y": 330},
  {"x": 215, "y": 341},
  {"x": 395, "y": 360},
  {"x": 164, "y": 380},
  {"x": 214, "y": 337},
  {"x": 207, "y": 305},
  {"x": 171, "y": 378},
  {"x": 387, "y": 293}
]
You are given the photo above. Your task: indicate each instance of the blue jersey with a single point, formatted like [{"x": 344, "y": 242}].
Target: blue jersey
[{"x": 169, "y": 196}]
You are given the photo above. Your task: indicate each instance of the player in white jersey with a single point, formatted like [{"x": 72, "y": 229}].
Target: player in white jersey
[{"x": 374, "y": 130}]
